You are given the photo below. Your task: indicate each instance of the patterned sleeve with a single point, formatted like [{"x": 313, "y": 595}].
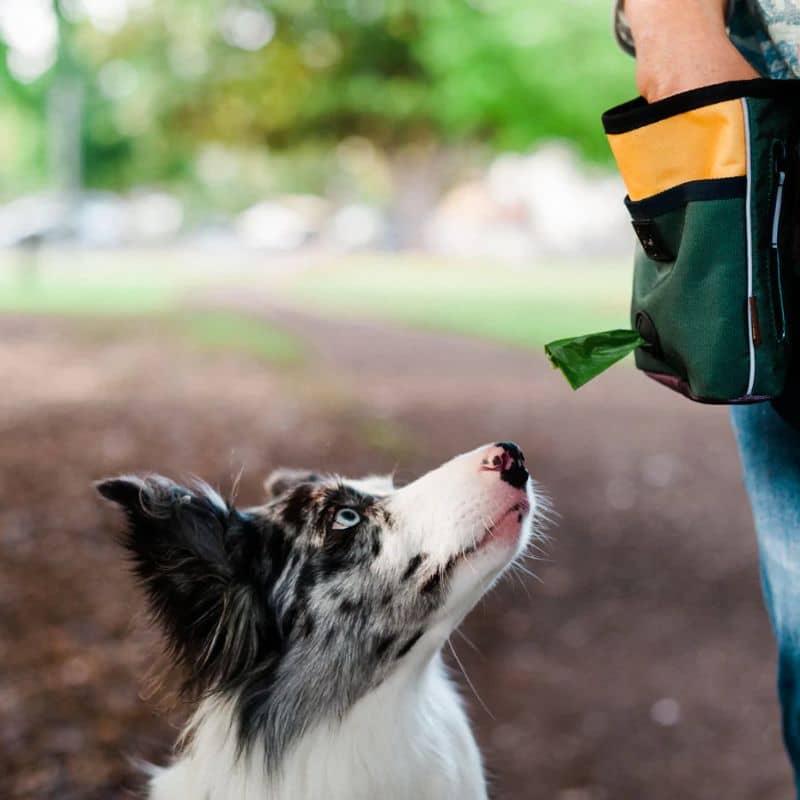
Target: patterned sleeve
[{"x": 766, "y": 32}]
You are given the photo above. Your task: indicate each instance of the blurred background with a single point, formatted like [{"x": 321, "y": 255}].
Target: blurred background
[{"x": 237, "y": 234}]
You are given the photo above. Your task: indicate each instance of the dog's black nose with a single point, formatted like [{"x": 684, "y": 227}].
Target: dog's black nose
[
  {"x": 507, "y": 459},
  {"x": 515, "y": 472},
  {"x": 516, "y": 454}
]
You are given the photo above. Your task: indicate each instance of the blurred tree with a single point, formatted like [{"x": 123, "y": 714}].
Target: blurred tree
[
  {"x": 518, "y": 72},
  {"x": 22, "y": 162},
  {"x": 162, "y": 80}
]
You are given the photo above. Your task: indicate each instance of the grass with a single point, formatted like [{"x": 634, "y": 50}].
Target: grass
[
  {"x": 386, "y": 436},
  {"x": 67, "y": 298},
  {"x": 118, "y": 299},
  {"x": 221, "y": 330},
  {"x": 72, "y": 283},
  {"x": 525, "y": 307}
]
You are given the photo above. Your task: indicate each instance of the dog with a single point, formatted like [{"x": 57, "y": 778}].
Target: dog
[{"x": 310, "y": 627}]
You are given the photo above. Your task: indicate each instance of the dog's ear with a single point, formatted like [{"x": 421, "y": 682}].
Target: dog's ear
[
  {"x": 194, "y": 555},
  {"x": 283, "y": 479}
]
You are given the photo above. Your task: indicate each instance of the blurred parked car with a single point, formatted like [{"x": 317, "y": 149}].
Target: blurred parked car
[
  {"x": 282, "y": 224},
  {"x": 543, "y": 204},
  {"x": 90, "y": 219}
]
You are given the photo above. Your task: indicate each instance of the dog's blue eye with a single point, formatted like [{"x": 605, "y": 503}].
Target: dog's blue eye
[{"x": 346, "y": 518}]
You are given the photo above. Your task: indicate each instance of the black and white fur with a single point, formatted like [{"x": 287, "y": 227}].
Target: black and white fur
[{"x": 310, "y": 627}]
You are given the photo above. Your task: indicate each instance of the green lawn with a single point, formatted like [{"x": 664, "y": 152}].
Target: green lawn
[
  {"x": 526, "y": 306},
  {"x": 222, "y": 330},
  {"x": 83, "y": 298},
  {"x": 116, "y": 301}
]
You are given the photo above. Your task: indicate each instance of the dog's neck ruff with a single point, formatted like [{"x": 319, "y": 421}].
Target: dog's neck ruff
[{"x": 409, "y": 739}]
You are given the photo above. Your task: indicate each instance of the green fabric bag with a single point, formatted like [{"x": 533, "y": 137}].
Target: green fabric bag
[
  {"x": 711, "y": 179},
  {"x": 712, "y": 183}
]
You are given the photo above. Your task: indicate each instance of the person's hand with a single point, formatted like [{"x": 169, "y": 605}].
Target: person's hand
[{"x": 682, "y": 45}]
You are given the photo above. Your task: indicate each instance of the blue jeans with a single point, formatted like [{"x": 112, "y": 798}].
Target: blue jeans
[{"x": 770, "y": 451}]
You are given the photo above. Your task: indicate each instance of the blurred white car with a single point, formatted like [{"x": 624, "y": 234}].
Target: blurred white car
[
  {"x": 90, "y": 219},
  {"x": 282, "y": 224}
]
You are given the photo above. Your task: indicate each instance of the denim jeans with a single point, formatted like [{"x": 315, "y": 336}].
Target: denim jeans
[{"x": 770, "y": 452}]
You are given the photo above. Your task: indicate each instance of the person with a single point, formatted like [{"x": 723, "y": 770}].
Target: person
[{"x": 681, "y": 45}]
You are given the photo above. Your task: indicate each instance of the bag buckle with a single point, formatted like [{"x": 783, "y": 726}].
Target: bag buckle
[{"x": 651, "y": 240}]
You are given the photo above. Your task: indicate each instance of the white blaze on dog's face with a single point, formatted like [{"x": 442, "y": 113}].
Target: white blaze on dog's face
[
  {"x": 295, "y": 609},
  {"x": 462, "y": 523}
]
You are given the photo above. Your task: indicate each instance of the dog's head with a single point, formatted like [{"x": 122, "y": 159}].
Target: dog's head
[{"x": 312, "y": 599}]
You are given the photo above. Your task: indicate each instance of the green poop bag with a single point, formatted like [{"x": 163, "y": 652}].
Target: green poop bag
[{"x": 582, "y": 358}]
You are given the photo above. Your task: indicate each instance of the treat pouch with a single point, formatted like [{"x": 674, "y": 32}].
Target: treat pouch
[{"x": 711, "y": 182}]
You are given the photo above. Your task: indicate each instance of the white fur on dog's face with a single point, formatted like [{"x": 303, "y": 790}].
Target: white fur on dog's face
[
  {"x": 462, "y": 518},
  {"x": 294, "y": 610}
]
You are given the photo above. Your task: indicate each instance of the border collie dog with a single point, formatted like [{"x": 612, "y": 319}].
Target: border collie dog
[{"x": 310, "y": 627}]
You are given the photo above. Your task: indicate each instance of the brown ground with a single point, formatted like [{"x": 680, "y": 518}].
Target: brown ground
[{"x": 648, "y": 608}]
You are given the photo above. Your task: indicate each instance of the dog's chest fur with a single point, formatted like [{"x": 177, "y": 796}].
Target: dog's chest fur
[{"x": 410, "y": 734}]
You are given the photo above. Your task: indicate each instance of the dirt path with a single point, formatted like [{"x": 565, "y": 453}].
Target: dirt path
[
  {"x": 639, "y": 667},
  {"x": 649, "y": 610}
]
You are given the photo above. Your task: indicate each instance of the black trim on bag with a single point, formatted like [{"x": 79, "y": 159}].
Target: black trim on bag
[
  {"x": 638, "y": 113},
  {"x": 679, "y": 196}
]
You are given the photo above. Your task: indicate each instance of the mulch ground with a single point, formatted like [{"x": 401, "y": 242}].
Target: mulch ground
[{"x": 638, "y": 666}]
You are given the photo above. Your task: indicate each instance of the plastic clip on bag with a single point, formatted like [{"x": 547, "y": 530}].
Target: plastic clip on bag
[{"x": 711, "y": 178}]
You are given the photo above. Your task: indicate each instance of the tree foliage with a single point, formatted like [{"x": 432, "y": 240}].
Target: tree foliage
[{"x": 506, "y": 73}]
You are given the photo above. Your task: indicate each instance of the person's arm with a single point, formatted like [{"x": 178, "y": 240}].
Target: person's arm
[{"x": 682, "y": 45}]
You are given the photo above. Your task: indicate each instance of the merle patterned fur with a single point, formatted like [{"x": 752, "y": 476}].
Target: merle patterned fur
[{"x": 271, "y": 607}]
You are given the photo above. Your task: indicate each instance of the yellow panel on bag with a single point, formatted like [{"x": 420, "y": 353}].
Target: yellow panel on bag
[{"x": 703, "y": 144}]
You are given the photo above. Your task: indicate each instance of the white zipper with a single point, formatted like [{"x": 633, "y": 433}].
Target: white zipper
[
  {"x": 776, "y": 256},
  {"x": 776, "y": 217},
  {"x": 748, "y": 222}
]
